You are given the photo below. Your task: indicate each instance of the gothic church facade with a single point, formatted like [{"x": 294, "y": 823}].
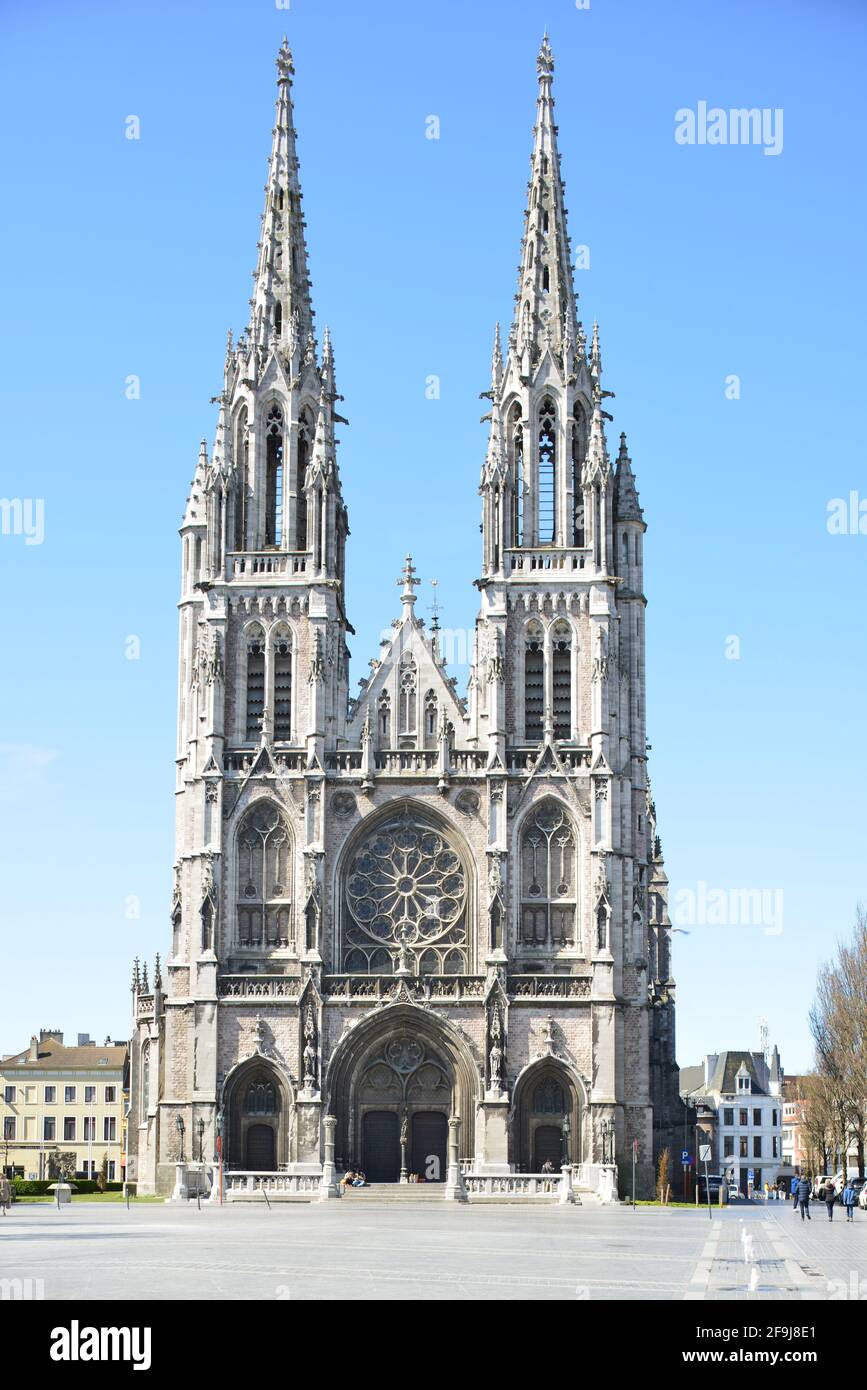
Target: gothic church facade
[{"x": 410, "y": 915}]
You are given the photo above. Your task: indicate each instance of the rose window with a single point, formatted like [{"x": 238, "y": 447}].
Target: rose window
[{"x": 406, "y": 895}]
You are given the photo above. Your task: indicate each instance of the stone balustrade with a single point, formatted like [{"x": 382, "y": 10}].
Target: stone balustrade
[
  {"x": 544, "y": 560},
  {"x": 246, "y": 564},
  {"x": 248, "y": 1185}
]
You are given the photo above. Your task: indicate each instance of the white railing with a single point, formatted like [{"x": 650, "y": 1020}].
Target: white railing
[
  {"x": 519, "y": 1186},
  {"x": 246, "y": 1184}
]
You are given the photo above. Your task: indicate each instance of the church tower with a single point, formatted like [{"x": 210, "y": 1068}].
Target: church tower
[{"x": 410, "y": 932}]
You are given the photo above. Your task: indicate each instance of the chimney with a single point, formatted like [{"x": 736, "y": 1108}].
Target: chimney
[
  {"x": 85, "y": 1040},
  {"x": 33, "y": 1054},
  {"x": 52, "y": 1034}
]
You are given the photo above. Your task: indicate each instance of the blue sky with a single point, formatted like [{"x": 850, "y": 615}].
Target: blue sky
[{"x": 121, "y": 257}]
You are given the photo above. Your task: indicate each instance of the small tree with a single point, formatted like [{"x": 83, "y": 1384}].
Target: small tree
[
  {"x": 663, "y": 1175},
  {"x": 102, "y": 1180}
]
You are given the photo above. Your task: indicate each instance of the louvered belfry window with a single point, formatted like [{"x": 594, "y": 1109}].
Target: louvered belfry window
[
  {"x": 561, "y": 661},
  {"x": 534, "y": 687},
  {"x": 255, "y": 685},
  {"x": 283, "y": 687}
]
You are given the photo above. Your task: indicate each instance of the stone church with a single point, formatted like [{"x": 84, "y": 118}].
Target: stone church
[{"x": 411, "y": 931}]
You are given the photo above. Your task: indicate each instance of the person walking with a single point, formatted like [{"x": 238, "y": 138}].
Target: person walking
[
  {"x": 5, "y": 1194},
  {"x": 848, "y": 1199},
  {"x": 793, "y": 1192},
  {"x": 830, "y": 1197},
  {"x": 803, "y": 1197}
]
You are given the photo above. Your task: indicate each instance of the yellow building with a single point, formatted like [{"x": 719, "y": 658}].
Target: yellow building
[{"x": 57, "y": 1099}]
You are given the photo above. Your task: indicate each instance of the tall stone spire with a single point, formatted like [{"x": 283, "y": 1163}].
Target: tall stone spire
[
  {"x": 545, "y": 310},
  {"x": 281, "y": 310}
]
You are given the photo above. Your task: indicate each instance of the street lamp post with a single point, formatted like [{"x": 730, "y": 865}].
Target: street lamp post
[
  {"x": 566, "y": 1130},
  {"x": 201, "y": 1129},
  {"x": 179, "y": 1125}
]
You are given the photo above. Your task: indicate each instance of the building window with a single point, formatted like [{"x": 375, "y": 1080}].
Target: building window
[
  {"x": 109, "y": 1129},
  {"x": 69, "y": 1095},
  {"x": 255, "y": 683},
  {"x": 775, "y": 1118},
  {"x": 728, "y": 1115},
  {"x": 548, "y": 879},
  {"x": 517, "y": 480},
  {"x": 406, "y": 898},
  {"x": 757, "y": 1117},
  {"x": 408, "y": 702},
  {"x": 274, "y": 477},
  {"x": 145, "y": 1080},
  {"x": 743, "y": 1118},
  {"x": 278, "y": 319},
  {"x": 547, "y": 513},
  {"x": 260, "y": 1099},
  {"x": 304, "y": 434},
  {"x": 49, "y": 1128},
  {"x": 264, "y": 876},
  {"x": 742, "y": 1146},
  {"x": 9, "y": 1095},
  {"x": 534, "y": 684},
  {"x": 728, "y": 1146},
  {"x": 578, "y": 436},
  {"x": 110, "y": 1095},
  {"x": 90, "y": 1095},
  {"x": 757, "y": 1146},
  {"x": 283, "y": 687},
  {"x": 744, "y": 1083},
  {"x": 384, "y": 719},
  {"x": 50, "y": 1095},
  {"x": 774, "y": 1149},
  {"x": 112, "y": 1170},
  {"x": 69, "y": 1128},
  {"x": 8, "y": 1126},
  {"x": 430, "y": 719},
  {"x": 89, "y": 1128},
  {"x": 561, "y": 659},
  {"x": 242, "y": 465}
]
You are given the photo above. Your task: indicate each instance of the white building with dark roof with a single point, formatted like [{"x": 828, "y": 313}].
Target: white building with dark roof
[{"x": 738, "y": 1100}]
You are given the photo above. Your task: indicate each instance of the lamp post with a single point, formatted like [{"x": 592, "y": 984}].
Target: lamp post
[
  {"x": 566, "y": 1130},
  {"x": 179, "y": 1126},
  {"x": 201, "y": 1129},
  {"x": 218, "y": 1144}
]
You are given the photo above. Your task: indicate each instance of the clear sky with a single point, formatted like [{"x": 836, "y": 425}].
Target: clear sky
[{"x": 123, "y": 257}]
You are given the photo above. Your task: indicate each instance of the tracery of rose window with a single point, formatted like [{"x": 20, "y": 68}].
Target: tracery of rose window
[{"x": 406, "y": 901}]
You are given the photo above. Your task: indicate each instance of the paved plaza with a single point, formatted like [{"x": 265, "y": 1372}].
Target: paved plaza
[{"x": 354, "y": 1250}]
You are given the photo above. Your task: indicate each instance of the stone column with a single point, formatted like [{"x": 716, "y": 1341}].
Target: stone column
[
  {"x": 328, "y": 1185},
  {"x": 455, "y": 1190},
  {"x": 566, "y": 1194}
]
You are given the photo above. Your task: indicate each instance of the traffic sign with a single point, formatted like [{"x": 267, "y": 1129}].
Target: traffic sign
[
  {"x": 704, "y": 1153},
  {"x": 685, "y": 1156},
  {"x": 751, "y": 1175}
]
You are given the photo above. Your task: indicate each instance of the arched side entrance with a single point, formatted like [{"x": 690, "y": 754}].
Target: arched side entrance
[
  {"x": 392, "y": 1085},
  {"x": 257, "y": 1117},
  {"x": 545, "y": 1096}
]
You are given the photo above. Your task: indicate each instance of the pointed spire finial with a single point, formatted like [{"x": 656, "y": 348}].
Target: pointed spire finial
[
  {"x": 545, "y": 60},
  {"x": 285, "y": 66},
  {"x": 595, "y": 351},
  {"x": 409, "y": 584}
]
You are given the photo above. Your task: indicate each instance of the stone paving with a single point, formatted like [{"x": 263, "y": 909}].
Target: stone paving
[{"x": 434, "y": 1251}]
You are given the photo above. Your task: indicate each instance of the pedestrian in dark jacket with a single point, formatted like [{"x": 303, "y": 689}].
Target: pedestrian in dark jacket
[
  {"x": 803, "y": 1195},
  {"x": 830, "y": 1198},
  {"x": 848, "y": 1199}
]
